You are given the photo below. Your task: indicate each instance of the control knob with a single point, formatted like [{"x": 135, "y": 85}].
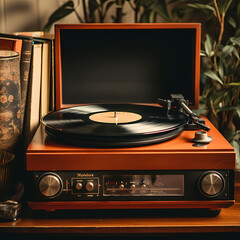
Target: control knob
[
  {"x": 78, "y": 186},
  {"x": 50, "y": 185},
  {"x": 211, "y": 184},
  {"x": 89, "y": 186},
  {"x": 133, "y": 186}
]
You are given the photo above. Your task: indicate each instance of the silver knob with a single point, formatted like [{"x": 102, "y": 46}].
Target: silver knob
[
  {"x": 49, "y": 185},
  {"x": 78, "y": 186},
  {"x": 212, "y": 184},
  {"x": 89, "y": 186}
]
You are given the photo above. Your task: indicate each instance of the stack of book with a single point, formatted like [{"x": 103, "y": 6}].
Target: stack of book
[{"x": 36, "y": 51}]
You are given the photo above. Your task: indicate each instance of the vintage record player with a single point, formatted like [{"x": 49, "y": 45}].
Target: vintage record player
[{"x": 123, "y": 135}]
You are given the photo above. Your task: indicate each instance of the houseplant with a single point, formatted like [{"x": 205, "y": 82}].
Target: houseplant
[{"x": 220, "y": 71}]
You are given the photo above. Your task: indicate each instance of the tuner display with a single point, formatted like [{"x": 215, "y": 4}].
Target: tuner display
[{"x": 145, "y": 185}]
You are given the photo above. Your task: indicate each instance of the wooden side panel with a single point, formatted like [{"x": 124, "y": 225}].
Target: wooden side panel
[{"x": 129, "y": 161}]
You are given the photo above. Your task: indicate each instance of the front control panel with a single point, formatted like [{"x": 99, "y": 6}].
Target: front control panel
[{"x": 132, "y": 185}]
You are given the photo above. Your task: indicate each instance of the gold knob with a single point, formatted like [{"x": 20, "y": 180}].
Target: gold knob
[
  {"x": 89, "y": 186},
  {"x": 79, "y": 186}
]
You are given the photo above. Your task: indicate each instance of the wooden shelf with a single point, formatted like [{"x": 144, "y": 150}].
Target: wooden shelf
[{"x": 135, "y": 223}]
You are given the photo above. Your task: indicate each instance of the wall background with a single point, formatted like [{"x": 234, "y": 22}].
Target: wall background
[{"x": 32, "y": 15}]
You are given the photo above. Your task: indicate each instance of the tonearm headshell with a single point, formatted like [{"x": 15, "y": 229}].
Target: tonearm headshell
[{"x": 178, "y": 103}]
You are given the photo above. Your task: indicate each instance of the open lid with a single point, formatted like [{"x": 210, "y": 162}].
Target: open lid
[{"x": 126, "y": 63}]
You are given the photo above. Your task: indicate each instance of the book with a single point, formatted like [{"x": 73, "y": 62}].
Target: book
[
  {"x": 24, "y": 72},
  {"x": 33, "y": 104},
  {"x": 48, "y": 84},
  {"x": 36, "y": 34},
  {"x": 46, "y": 78}
]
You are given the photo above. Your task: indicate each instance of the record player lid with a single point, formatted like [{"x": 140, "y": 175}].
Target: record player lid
[{"x": 126, "y": 63}]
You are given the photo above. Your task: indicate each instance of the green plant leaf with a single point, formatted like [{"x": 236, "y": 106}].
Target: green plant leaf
[
  {"x": 203, "y": 53},
  {"x": 229, "y": 108},
  {"x": 174, "y": 1},
  {"x": 238, "y": 110},
  {"x": 208, "y": 45},
  {"x": 60, "y": 13},
  {"x": 223, "y": 6},
  {"x": 221, "y": 69},
  {"x": 103, "y": 1},
  {"x": 201, "y": 6},
  {"x": 235, "y": 40},
  {"x": 145, "y": 17},
  {"x": 236, "y": 144},
  {"x": 232, "y": 21},
  {"x": 161, "y": 9},
  {"x": 235, "y": 84},
  {"x": 109, "y": 4},
  {"x": 218, "y": 97},
  {"x": 93, "y": 6},
  {"x": 235, "y": 52},
  {"x": 227, "y": 50},
  {"x": 213, "y": 76}
]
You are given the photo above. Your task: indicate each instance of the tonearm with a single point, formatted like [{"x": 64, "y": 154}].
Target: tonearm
[{"x": 178, "y": 103}]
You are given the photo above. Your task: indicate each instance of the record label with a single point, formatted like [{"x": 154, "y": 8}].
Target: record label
[{"x": 115, "y": 117}]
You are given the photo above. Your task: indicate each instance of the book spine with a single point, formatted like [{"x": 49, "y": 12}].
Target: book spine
[{"x": 25, "y": 63}]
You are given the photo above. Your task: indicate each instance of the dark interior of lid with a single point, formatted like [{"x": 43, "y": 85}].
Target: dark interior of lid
[{"x": 126, "y": 65}]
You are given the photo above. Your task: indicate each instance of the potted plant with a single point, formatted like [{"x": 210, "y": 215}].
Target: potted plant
[{"x": 220, "y": 68}]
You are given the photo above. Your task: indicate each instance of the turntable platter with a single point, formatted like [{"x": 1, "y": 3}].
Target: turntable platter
[{"x": 114, "y": 125}]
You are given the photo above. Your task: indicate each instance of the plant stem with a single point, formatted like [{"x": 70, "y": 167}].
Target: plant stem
[
  {"x": 78, "y": 17},
  {"x": 217, "y": 10},
  {"x": 101, "y": 15},
  {"x": 221, "y": 21},
  {"x": 85, "y": 11},
  {"x": 119, "y": 11},
  {"x": 213, "y": 110},
  {"x": 136, "y": 11},
  {"x": 221, "y": 30}
]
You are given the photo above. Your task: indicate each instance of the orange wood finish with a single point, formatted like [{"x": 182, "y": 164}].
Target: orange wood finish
[
  {"x": 52, "y": 206},
  {"x": 197, "y": 26},
  {"x": 45, "y": 154}
]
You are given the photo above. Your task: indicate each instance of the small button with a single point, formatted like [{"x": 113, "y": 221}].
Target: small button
[{"x": 121, "y": 187}]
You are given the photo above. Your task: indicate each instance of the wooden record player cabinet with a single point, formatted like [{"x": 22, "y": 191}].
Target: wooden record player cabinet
[{"x": 47, "y": 155}]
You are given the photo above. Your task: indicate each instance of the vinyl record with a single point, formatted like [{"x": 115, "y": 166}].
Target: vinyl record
[{"x": 114, "y": 125}]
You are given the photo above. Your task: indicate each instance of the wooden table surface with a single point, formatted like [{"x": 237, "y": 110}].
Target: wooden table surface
[
  {"x": 128, "y": 221},
  {"x": 145, "y": 222},
  {"x": 227, "y": 221}
]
